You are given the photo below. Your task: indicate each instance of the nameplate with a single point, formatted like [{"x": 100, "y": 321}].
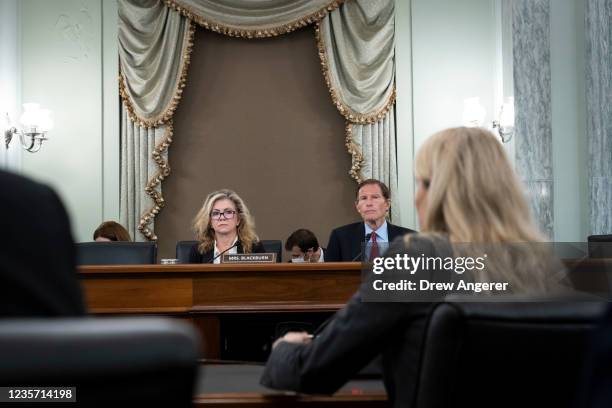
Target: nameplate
[{"x": 249, "y": 258}]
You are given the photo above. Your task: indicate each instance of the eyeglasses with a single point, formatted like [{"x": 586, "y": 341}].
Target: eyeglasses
[{"x": 227, "y": 214}]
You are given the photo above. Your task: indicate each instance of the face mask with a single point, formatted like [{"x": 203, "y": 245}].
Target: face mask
[{"x": 297, "y": 260}]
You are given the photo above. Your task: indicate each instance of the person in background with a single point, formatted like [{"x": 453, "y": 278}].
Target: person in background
[
  {"x": 304, "y": 247},
  {"x": 37, "y": 254},
  {"x": 373, "y": 201},
  {"x": 224, "y": 225},
  {"x": 111, "y": 231},
  {"x": 467, "y": 192}
]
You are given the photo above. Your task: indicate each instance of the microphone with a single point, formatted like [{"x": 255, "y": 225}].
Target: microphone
[
  {"x": 221, "y": 253},
  {"x": 365, "y": 239}
]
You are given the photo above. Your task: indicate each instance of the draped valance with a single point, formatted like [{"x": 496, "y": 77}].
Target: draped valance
[
  {"x": 355, "y": 40},
  {"x": 357, "y": 51},
  {"x": 154, "y": 47},
  {"x": 254, "y": 19}
]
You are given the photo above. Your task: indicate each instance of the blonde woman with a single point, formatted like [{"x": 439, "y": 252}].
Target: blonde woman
[
  {"x": 223, "y": 225},
  {"x": 467, "y": 193}
]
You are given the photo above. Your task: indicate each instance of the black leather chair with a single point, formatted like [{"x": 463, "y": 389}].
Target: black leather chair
[
  {"x": 600, "y": 246},
  {"x": 595, "y": 390},
  {"x": 504, "y": 354},
  {"x": 183, "y": 249},
  {"x": 275, "y": 246},
  {"x": 116, "y": 253},
  {"x": 120, "y": 361}
]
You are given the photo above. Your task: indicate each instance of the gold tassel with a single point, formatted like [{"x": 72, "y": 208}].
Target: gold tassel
[
  {"x": 355, "y": 152},
  {"x": 164, "y": 171}
]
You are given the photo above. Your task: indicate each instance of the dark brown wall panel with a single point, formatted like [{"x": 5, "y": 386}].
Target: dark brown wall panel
[{"x": 256, "y": 117}]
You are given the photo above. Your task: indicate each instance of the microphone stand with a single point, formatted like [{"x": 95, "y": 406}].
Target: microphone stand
[
  {"x": 365, "y": 239},
  {"x": 221, "y": 253}
]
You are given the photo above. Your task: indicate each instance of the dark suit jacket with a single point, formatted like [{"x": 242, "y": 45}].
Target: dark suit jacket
[
  {"x": 358, "y": 333},
  {"x": 345, "y": 242},
  {"x": 37, "y": 254},
  {"x": 207, "y": 257}
]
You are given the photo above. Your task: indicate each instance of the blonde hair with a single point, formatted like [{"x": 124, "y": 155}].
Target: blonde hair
[
  {"x": 204, "y": 231},
  {"x": 473, "y": 193},
  {"x": 474, "y": 196}
]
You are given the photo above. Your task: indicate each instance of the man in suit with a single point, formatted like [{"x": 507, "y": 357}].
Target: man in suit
[
  {"x": 372, "y": 203},
  {"x": 37, "y": 254}
]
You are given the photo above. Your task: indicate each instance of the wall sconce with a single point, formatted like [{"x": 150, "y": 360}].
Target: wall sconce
[
  {"x": 35, "y": 123},
  {"x": 474, "y": 114}
]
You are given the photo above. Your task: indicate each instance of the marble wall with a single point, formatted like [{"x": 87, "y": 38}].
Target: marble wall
[
  {"x": 568, "y": 107},
  {"x": 532, "y": 93},
  {"x": 599, "y": 113}
]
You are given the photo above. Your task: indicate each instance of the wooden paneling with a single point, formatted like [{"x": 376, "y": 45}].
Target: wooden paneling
[
  {"x": 206, "y": 288},
  {"x": 138, "y": 293},
  {"x": 281, "y": 286},
  {"x": 205, "y": 294}
]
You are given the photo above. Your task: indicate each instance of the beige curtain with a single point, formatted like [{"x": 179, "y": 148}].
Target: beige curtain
[
  {"x": 154, "y": 47},
  {"x": 358, "y": 52},
  {"x": 356, "y": 47},
  {"x": 144, "y": 158}
]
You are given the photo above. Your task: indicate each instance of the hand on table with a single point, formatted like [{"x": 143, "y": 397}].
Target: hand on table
[{"x": 294, "y": 337}]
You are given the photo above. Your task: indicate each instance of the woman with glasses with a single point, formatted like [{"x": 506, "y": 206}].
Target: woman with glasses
[{"x": 223, "y": 225}]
